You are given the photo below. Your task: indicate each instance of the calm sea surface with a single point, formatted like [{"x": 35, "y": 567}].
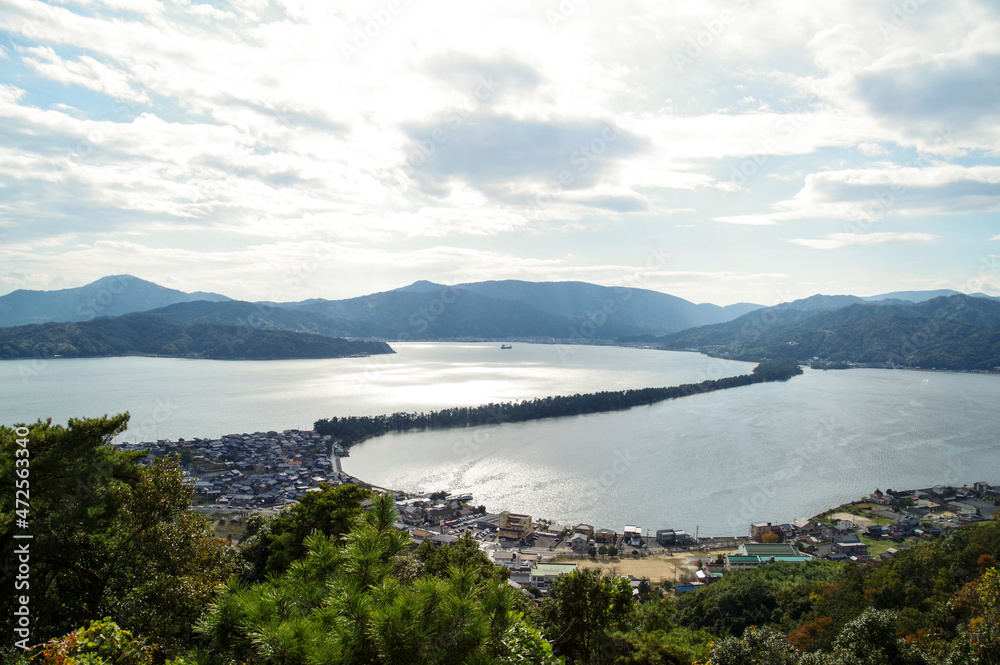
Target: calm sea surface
[{"x": 714, "y": 462}]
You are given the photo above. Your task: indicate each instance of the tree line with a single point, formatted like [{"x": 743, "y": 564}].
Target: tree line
[{"x": 350, "y": 430}]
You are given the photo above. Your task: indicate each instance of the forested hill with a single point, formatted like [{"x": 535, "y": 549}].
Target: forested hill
[
  {"x": 958, "y": 332},
  {"x": 143, "y": 334},
  {"x": 354, "y": 429}
]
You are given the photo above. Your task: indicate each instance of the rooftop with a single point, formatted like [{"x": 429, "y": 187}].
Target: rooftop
[
  {"x": 769, "y": 549},
  {"x": 551, "y": 569}
]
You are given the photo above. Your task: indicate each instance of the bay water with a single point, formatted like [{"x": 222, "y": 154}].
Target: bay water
[{"x": 709, "y": 463}]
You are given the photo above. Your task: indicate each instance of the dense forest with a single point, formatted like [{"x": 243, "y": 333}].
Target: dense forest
[
  {"x": 120, "y": 572},
  {"x": 145, "y": 334},
  {"x": 350, "y": 430}
]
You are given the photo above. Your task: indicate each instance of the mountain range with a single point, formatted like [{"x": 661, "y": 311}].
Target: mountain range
[
  {"x": 422, "y": 310},
  {"x": 941, "y": 328}
]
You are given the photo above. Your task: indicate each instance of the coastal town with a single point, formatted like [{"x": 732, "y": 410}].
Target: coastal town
[{"x": 236, "y": 474}]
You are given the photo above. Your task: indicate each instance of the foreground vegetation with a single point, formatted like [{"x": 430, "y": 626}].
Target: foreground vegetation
[
  {"x": 122, "y": 573},
  {"x": 354, "y": 429}
]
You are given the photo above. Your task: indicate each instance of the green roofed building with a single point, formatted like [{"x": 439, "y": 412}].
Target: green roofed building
[
  {"x": 543, "y": 574},
  {"x": 752, "y": 555},
  {"x": 769, "y": 549}
]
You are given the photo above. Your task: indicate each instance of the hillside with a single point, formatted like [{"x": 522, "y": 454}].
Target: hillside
[
  {"x": 267, "y": 317},
  {"x": 441, "y": 314},
  {"x": 144, "y": 334},
  {"x": 950, "y": 332},
  {"x": 626, "y": 309},
  {"x": 114, "y": 295}
]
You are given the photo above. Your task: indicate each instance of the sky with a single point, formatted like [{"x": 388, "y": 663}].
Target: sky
[{"x": 727, "y": 151}]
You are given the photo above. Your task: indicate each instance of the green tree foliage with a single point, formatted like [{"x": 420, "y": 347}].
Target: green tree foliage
[
  {"x": 581, "y": 612},
  {"x": 151, "y": 334},
  {"x": 778, "y": 593},
  {"x": 331, "y": 511},
  {"x": 110, "y": 538},
  {"x": 343, "y": 604},
  {"x": 352, "y": 429},
  {"x": 918, "y": 583},
  {"x": 757, "y": 646},
  {"x": 871, "y": 640},
  {"x": 979, "y": 640},
  {"x": 654, "y": 639},
  {"x": 101, "y": 643},
  {"x": 464, "y": 553}
]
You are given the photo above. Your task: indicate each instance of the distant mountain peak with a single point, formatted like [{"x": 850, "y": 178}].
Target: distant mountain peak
[
  {"x": 422, "y": 286},
  {"x": 111, "y": 295}
]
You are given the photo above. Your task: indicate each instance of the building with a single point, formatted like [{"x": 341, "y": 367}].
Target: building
[
  {"x": 543, "y": 574},
  {"x": 606, "y": 536},
  {"x": 849, "y": 545},
  {"x": 673, "y": 538},
  {"x": 504, "y": 558},
  {"x": 439, "y": 539},
  {"x": 515, "y": 527},
  {"x": 752, "y": 555},
  {"x": 632, "y": 536},
  {"x": 760, "y": 529},
  {"x": 578, "y": 542}
]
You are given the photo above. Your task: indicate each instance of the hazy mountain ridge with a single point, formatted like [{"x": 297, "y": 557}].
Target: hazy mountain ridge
[
  {"x": 266, "y": 317},
  {"x": 114, "y": 295},
  {"x": 625, "y": 307},
  {"x": 503, "y": 309},
  {"x": 440, "y": 314},
  {"x": 147, "y": 334},
  {"x": 956, "y": 332}
]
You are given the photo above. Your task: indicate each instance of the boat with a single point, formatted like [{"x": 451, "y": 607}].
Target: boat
[{"x": 506, "y": 346}]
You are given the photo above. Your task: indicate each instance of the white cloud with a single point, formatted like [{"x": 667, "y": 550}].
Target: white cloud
[
  {"x": 865, "y": 196},
  {"x": 872, "y": 149},
  {"x": 85, "y": 71},
  {"x": 841, "y": 240},
  {"x": 248, "y": 123}
]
